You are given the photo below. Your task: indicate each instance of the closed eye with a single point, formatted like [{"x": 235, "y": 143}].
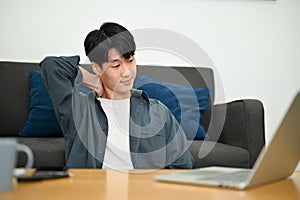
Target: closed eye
[
  {"x": 115, "y": 66},
  {"x": 131, "y": 60}
]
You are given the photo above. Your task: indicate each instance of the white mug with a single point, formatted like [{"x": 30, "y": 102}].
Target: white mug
[{"x": 9, "y": 148}]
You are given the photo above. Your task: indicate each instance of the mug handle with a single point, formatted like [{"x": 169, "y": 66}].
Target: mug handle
[{"x": 29, "y": 164}]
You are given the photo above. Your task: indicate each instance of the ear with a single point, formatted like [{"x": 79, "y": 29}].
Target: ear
[{"x": 96, "y": 68}]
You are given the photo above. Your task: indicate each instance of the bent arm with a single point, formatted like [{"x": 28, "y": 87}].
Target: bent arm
[{"x": 59, "y": 74}]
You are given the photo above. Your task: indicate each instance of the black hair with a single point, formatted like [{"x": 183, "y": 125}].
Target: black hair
[{"x": 110, "y": 35}]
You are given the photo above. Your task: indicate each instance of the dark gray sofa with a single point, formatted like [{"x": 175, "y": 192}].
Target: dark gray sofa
[{"x": 239, "y": 144}]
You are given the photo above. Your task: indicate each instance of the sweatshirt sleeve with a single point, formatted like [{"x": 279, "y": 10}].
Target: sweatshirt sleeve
[{"x": 59, "y": 74}]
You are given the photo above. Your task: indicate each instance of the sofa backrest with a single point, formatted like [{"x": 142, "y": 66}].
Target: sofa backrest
[
  {"x": 14, "y": 101},
  {"x": 14, "y": 85},
  {"x": 190, "y": 76}
]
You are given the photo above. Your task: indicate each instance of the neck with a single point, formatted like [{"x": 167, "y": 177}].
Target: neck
[{"x": 113, "y": 95}]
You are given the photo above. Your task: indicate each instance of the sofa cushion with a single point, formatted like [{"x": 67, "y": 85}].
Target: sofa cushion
[
  {"x": 41, "y": 120},
  {"x": 46, "y": 151},
  {"x": 208, "y": 153},
  {"x": 187, "y": 104}
]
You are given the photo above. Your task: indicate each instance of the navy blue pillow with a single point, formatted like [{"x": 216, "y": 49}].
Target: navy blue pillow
[
  {"x": 185, "y": 103},
  {"x": 41, "y": 120}
]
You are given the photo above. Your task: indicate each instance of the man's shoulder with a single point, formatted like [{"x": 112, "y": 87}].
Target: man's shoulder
[
  {"x": 142, "y": 96},
  {"x": 139, "y": 94}
]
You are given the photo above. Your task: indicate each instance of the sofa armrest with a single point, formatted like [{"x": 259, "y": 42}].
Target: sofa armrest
[{"x": 244, "y": 125}]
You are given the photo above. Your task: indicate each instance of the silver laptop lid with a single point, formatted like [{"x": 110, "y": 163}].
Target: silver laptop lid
[{"x": 280, "y": 159}]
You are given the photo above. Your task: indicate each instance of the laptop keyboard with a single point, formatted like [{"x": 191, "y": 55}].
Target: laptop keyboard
[{"x": 239, "y": 176}]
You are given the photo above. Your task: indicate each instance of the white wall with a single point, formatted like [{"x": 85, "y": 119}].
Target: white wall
[{"x": 254, "y": 44}]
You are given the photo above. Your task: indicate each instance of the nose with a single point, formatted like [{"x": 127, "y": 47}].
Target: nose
[{"x": 126, "y": 70}]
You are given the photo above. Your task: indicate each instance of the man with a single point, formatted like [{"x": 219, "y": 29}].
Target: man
[{"x": 106, "y": 123}]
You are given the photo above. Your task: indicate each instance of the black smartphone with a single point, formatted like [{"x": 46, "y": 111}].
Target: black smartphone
[{"x": 42, "y": 173}]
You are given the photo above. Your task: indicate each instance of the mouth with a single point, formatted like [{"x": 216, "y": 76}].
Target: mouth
[{"x": 127, "y": 81}]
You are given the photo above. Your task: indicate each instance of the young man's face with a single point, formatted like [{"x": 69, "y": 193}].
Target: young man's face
[{"x": 118, "y": 75}]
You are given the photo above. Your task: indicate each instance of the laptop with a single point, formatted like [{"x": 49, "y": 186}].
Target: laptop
[{"x": 277, "y": 161}]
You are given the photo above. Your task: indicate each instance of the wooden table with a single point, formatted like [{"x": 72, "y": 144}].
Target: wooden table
[{"x": 90, "y": 184}]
